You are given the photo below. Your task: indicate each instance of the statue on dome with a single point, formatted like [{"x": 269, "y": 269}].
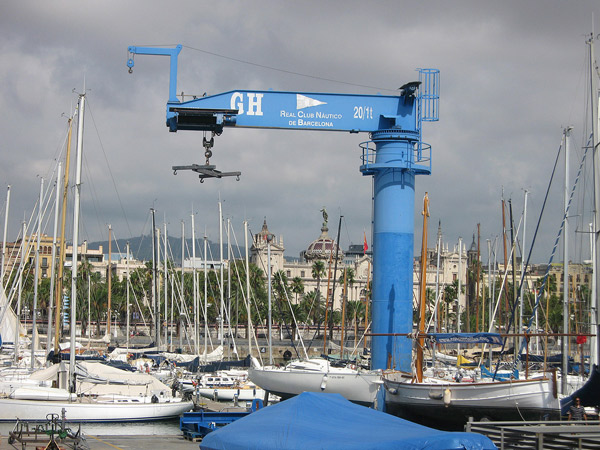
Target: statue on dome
[{"x": 325, "y": 216}]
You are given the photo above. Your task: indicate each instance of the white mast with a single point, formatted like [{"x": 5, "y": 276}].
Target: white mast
[
  {"x": 490, "y": 298},
  {"x": 522, "y": 268},
  {"x": 37, "y": 275},
  {"x": 154, "y": 282},
  {"x": 205, "y": 309},
  {"x": 4, "y": 237},
  {"x": 76, "y": 205},
  {"x": 50, "y": 332},
  {"x": 437, "y": 278},
  {"x": 127, "y": 308},
  {"x": 248, "y": 288},
  {"x": 166, "y": 296},
  {"x": 269, "y": 329},
  {"x": 20, "y": 290},
  {"x": 565, "y": 339},
  {"x": 595, "y": 140},
  {"x": 221, "y": 273},
  {"x": 182, "y": 278},
  {"x": 230, "y": 333},
  {"x": 459, "y": 283},
  {"x": 195, "y": 285}
]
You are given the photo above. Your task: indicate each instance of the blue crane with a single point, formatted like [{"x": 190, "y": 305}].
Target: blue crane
[{"x": 393, "y": 156}]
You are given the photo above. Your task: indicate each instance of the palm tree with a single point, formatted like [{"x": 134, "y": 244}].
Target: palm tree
[
  {"x": 318, "y": 271},
  {"x": 297, "y": 287},
  {"x": 354, "y": 310}
]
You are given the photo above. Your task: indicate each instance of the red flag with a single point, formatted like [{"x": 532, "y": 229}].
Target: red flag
[{"x": 365, "y": 246}]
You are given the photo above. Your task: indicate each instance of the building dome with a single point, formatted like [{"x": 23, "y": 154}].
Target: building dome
[{"x": 323, "y": 247}]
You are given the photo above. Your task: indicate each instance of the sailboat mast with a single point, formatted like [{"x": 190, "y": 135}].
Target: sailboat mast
[
  {"x": 61, "y": 258},
  {"x": 270, "y": 312},
  {"x": 565, "y": 339},
  {"x": 182, "y": 281},
  {"x": 595, "y": 355},
  {"x": 154, "y": 281},
  {"x": 477, "y": 283},
  {"x": 458, "y": 327},
  {"x": 53, "y": 259},
  {"x": 166, "y": 282},
  {"x": 4, "y": 236},
  {"x": 76, "y": 204},
  {"x": 205, "y": 304},
  {"x": 247, "y": 287},
  {"x": 127, "y": 308},
  {"x": 37, "y": 274},
  {"x": 422, "y": 292},
  {"x": 523, "y": 269},
  {"x": 20, "y": 290},
  {"x": 109, "y": 279},
  {"x": 195, "y": 286},
  {"x": 222, "y": 314},
  {"x": 335, "y": 264}
]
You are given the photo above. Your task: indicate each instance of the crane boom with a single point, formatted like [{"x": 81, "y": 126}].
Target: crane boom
[{"x": 293, "y": 110}]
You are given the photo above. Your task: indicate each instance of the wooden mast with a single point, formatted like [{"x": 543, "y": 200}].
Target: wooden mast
[
  {"x": 61, "y": 258},
  {"x": 423, "y": 297}
]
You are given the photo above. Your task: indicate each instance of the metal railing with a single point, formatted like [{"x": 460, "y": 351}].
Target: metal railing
[{"x": 540, "y": 435}]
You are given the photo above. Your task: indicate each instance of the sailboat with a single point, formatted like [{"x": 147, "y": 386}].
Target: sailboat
[
  {"x": 428, "y": 399},
  {"x": 315, "y": 374},
  {"x": 88, "y": 392}
]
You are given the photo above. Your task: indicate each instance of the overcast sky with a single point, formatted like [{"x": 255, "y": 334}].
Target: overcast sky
[{"x": 513, "y": 74}]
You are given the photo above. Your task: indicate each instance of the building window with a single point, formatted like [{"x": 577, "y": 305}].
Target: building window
[
  {"x": 454, "y": 277},
  {"x": 289, "y": 273},
  {"x": 302, "y": 273}
]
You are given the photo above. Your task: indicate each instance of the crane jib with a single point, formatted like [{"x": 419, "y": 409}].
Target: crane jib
[{"x": 292, "y": 110}]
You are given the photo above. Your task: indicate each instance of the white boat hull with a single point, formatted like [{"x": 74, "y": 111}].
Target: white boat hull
[
  {"x": 229, "y": 394},
  {"x": 455, "y": 402},
  {"x": 356, "y": 386},
  {"x": 89, "y": 411}
]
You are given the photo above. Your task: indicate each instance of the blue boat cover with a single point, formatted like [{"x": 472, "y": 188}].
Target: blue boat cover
[
  {"x": 328, "y": 421},
  {"x": 466, "y": 338}
]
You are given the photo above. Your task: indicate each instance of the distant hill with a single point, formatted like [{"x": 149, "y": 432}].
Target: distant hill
[{"x": 141, "y": 248}]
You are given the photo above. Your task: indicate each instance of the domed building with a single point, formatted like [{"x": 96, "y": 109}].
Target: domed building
[{"x": 323, "y": 248}]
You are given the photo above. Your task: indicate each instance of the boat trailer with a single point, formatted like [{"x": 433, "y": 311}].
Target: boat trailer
[{"x": 53, "y": 433}]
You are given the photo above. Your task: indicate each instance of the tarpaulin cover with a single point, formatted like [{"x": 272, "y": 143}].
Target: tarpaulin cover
[
  {"x": 329, "y": 421},
  {"x": 466, "y": 338}
]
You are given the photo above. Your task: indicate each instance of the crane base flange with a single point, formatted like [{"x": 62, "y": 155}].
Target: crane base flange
[{"x": 206, "y": 171}]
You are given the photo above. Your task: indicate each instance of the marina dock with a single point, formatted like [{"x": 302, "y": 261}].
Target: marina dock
[
  {"x": 116, "y": 443},
  {"x": 95, "y": 437}
]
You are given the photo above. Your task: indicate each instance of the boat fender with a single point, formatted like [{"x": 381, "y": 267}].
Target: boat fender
[
  {"x": 324, "y": 382},
  {"x": 436, "y": 395},
  {"x": 447, "y": 397}
]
